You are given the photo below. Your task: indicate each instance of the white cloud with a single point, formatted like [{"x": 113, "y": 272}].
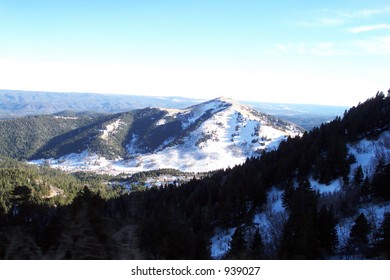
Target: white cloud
[
  {"x": 366, "y": 28},
  {"x": 365, "y": 13},
  {"x": 331, "y": 21},
  {"x": 330, "y": 18},
  {"x": 370, "y": 46}
]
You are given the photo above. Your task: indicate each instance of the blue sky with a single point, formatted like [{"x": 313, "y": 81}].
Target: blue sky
[{"x": 333, "y": 52}]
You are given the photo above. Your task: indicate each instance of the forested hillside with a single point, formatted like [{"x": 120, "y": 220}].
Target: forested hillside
[
  {"x": 22, "y": 138},
  {"x": 46, "y": 136},
  {"x": 324, "y": 195},
  {"x": 40, "y": 185}
]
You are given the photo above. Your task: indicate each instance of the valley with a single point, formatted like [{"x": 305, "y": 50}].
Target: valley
[{"x": 215, "y": 180}]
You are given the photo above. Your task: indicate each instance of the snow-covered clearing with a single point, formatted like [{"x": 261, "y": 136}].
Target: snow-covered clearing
[
  {"x": 270, "y": 223},
  {"x": 271, "y": 220},
  {"x": 374, "y": 214},
  {"x": 333, "y": 187},
  {"x": 368, "y": 153},
  {"x": 110, "y": 129}
]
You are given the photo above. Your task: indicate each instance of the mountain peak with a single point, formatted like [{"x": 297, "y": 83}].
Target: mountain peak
[
  {"x": 226, "y": 102},
  {"x": 224, "y": 99}
]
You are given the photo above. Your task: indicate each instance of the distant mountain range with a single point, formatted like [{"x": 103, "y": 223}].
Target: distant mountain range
[
  {"x": 203, "y": 137},
  {"x": 15, "y": 103}
]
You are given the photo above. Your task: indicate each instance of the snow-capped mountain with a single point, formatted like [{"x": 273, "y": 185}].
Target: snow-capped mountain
[{"x": 208, "y": 136}]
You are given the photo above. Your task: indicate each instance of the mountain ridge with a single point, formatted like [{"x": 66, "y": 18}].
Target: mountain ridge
[
  {"x": 16, "y": 103},
  {"x": 220, "y": 132}
]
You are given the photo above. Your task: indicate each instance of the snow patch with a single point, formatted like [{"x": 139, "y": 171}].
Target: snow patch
[
  {"x": 332, "y": 187},
  {"x": 161, "y": 122},
  {"x": 368, "y": 153},
  {"x": 374, "y": 214},
  {"x": 84, "y": 161},
  {"x": 270, "y": 223},
  {"x": 65, "y": 118},
  {"x": 220, "y": 242},
  {"x": 274, "y": 200},
  {"x": 271, "y": 220},
  {"x": 110, "y": 129},
  {"x": 132, "y": 146}
]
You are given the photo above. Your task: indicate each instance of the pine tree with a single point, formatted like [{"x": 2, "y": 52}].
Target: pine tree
[
  {"x": 380, "y": 182},
  {"x": 366, "y": 189},
  {"x": 358, "y": 238},
  {"x": 287, "y": 194},
  {"x": 300, "y": 235},
  {"x": 256, "y": 251},
  {"x": 327, "y": 230},
  {"x": 238, "y": 245},
  {"x": 358, "y": 178}
]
